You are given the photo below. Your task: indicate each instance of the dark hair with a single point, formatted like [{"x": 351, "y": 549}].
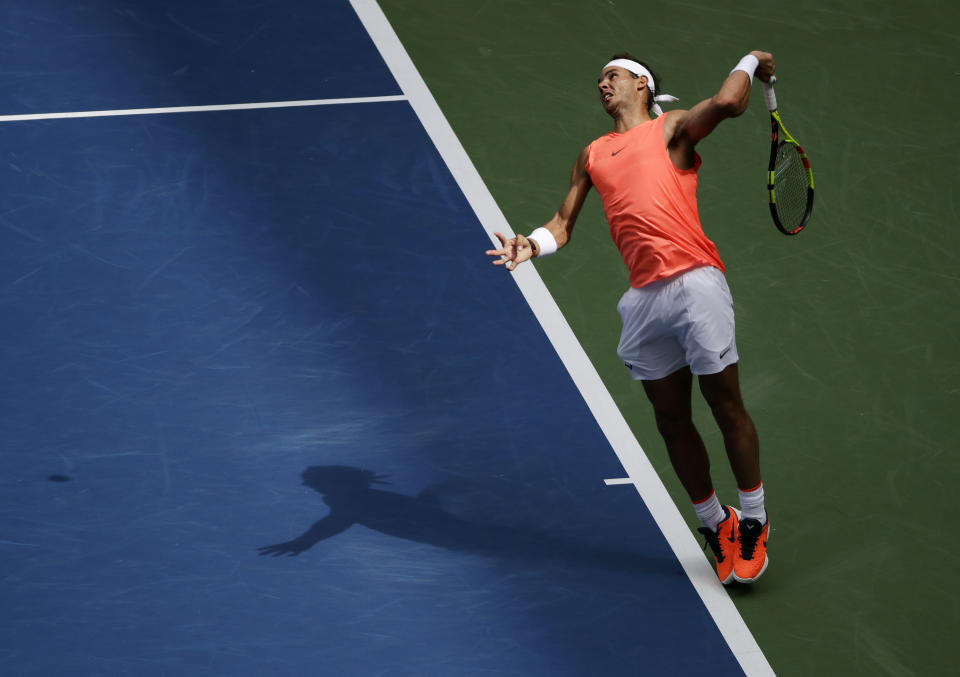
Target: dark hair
[{"x": 656, "y": 78}]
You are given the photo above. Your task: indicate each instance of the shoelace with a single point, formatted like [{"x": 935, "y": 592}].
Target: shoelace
[
  {"x": 749, "y": 534},
  {"x": 713, "y": 540}
]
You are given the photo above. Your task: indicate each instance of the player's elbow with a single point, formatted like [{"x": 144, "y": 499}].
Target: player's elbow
[{"x": 729, "y": 106}]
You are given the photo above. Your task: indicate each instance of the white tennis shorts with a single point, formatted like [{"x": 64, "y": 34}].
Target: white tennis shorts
[{"x": 683, "y": 320}]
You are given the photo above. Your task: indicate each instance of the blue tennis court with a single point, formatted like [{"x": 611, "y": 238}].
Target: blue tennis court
[{"x": 268, "y": 410}]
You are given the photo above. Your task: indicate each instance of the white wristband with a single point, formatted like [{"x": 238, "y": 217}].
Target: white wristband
[
  {"x": 748, "y": 65},
  {"x": 546, "y": 243}
]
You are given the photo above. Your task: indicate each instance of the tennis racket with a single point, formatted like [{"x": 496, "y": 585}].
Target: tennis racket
[{"x": 789, "y": 178}]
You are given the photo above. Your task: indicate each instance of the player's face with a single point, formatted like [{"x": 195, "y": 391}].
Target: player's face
[{"x": 618, "y": 86}]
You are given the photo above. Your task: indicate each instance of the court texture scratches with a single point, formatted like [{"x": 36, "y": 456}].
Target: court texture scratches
[{"x": 268, "y": 410}]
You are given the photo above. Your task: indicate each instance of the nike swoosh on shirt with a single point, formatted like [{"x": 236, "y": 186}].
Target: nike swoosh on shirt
[{"x": 616, "y": 151}]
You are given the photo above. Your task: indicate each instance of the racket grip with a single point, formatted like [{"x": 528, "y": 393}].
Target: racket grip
[{"x": 769, "y": 95}]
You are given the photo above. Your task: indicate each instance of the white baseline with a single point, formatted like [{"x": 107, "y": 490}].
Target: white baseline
[{"x": 200, "y": 109}]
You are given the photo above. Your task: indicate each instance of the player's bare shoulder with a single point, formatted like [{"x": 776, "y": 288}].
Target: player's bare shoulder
[
  {"x": 580, "y": 165},
  {"x": 673, "y": 125},
  {"x": 584, "y": 155}
]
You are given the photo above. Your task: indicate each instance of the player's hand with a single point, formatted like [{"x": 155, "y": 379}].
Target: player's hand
[
  {"x": 766, "y": 67},
  {"x": 512, "y": 252}
]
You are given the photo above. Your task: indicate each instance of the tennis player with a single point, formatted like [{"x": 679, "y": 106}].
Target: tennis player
[{"x": 678, "y": 319}]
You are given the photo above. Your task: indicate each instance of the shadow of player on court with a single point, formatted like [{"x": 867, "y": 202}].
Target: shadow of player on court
[{"x": 353, "y": 500}]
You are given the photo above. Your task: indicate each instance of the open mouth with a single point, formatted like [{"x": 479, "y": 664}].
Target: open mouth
[{"x": 606, "y": 97}]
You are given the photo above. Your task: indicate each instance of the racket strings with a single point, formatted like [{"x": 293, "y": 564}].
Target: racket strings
[{"x": 790, "y": 184}]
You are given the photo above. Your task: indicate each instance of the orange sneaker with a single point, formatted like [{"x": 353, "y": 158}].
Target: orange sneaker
[
  {"x": 723, "y": 542},
  {"x": 751, "y": 557}
]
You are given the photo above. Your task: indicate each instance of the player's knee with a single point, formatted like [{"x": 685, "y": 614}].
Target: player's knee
[
  {"x": 730, "y": 415},
  {"x": 673, "y": 423}
]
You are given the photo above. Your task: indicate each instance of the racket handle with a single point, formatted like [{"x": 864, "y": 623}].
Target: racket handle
[{"x": 769, "y": 95}]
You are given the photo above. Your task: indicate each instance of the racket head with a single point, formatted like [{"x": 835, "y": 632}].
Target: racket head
[{"x": 789, "y": 181}]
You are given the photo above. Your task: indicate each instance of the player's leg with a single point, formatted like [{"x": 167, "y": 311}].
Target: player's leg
[
  {"x": 708, "y": 334},
  {"x": 722, "y": 393},
  {"x": 670, "y": 397}
]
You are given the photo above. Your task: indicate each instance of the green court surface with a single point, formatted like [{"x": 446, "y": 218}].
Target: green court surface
[{"x": 847, "y": 333}]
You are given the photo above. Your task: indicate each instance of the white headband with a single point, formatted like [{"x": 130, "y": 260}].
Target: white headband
[{"x": 638, "y": 70}]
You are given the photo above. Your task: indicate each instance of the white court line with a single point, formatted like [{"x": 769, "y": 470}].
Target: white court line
[
  {"x": 641, "y": 473},
  {"x": 200, "y": 109}
]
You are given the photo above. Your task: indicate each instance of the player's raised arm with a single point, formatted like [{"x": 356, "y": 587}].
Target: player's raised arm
[
  {"x": 554, "y": 234},
  {"x": 686, "y": 128}
]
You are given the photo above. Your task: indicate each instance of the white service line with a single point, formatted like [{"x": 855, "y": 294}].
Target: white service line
[
  {"x": 200, "y": 109},
  {"x": 639, "y": 470},
  {"x": 618, "y": 480}
]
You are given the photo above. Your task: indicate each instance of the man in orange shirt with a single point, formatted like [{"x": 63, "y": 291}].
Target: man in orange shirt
[{"x": 678, "y": 314}]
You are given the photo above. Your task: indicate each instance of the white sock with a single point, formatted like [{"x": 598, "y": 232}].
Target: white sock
[
  {"x": 751, "y": 503},
  {"x": 710, "y": 511}
]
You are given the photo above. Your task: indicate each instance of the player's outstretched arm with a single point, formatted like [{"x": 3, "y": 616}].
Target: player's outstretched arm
[{"x": 515, "y": 250}]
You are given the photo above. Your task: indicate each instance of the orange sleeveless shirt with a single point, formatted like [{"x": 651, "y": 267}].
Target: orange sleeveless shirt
[{"x": 651, "y": 205}]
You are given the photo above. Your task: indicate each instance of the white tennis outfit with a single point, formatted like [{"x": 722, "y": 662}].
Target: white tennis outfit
[{"x": 682, "y": 320}]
